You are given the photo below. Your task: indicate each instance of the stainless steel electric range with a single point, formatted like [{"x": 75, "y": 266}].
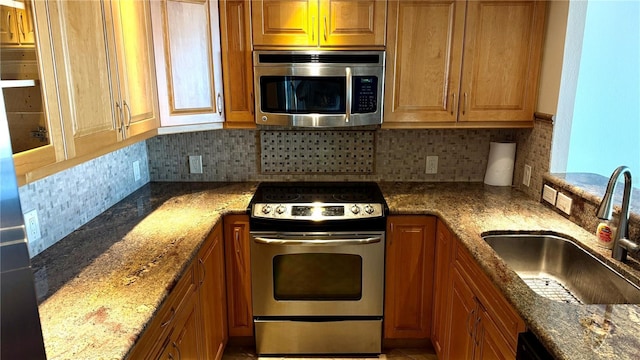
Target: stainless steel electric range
[{"x": 317, "y": 267}]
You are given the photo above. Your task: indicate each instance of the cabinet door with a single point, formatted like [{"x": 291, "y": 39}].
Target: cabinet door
[
  {"x": 185, "y": 336},
  {"x": 186, "y": 40},
  {"x": 442, "y": 288},
  {"x": 33, "y": 110},
  {"x": 424, "y": 56},
  {"x": 26, "y": 26},
  {"x": 8, "y": 26},
  {"x": 212, "y": 294},
  {"x": 501, "y": 60},
  {"x": 237, "y": 66},
  {"x": 352, "y": 22},
  {"x": 462, "y": 319},
  {"x": 136, "y": 66},
  {"x": 409, "y": 277},
  {"x": 84, "y": 75},
  {"x": 238, "y": 271},
  {"x": 491, "y": 343},
  {"x": 285, "y": 22}
]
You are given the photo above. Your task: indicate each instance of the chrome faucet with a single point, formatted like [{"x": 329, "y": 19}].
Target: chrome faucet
[{"x": 621, "y": 242}]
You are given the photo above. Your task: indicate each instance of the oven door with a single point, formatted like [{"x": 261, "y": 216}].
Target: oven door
[{"x": 317, "y": 274}]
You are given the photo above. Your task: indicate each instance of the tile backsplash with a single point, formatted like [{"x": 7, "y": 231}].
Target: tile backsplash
[
  {"x": 68, "y": 199},
  {"x": 299, "y": 152},
  {"x": 376, "y": 155}
]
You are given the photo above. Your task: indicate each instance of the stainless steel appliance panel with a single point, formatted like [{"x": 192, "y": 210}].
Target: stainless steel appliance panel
[
  {"x": 333, "y": 103},
  {"x": 20, "y": 322},
  {"x": 318, "y": 337},
  {"x": 266, "y": 247}
]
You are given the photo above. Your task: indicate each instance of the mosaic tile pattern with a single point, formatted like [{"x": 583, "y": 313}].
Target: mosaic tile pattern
[
  {"x": 227, "y": 155},
  {"x": 68, "y": 199},
  {"x": 399, "y": 155},
  {"x": 462, "y": 154},
  {"x": 534, "y": 149},
  {"x": 317, "y": 152}
]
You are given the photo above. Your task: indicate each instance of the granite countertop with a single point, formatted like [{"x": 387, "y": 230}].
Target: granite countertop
[
  {"x": 574, "y": 332},
  {"x": 100, "y": 286}
]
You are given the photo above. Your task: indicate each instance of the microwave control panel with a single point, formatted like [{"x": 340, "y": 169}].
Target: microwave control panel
[{"x": 365, "y": 94}]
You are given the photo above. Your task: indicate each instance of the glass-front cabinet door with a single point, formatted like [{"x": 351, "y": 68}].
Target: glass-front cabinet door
[{"x": 35, "y": 137}]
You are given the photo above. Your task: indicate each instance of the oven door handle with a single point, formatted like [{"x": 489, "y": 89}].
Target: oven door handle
[{"x": 317, "y": 242}]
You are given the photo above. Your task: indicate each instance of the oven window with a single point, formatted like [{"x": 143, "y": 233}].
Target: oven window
[
  {"x": 317, "y": 276},
  {"x": 303, "y": 94}
]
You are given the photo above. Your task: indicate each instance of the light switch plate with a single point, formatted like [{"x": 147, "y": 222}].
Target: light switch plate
[
  {"x": 195, "y": 164},
  {"x": 549, "y": 194},
  {"x": 136, "y": 170},
  {"x": 526, "y": 177},
  {"x": 564, "y": 203},
  {"x": 431, "y": 165}
]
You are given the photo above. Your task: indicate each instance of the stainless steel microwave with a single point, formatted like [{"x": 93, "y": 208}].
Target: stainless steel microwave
[{"x": 319, "y": 88}]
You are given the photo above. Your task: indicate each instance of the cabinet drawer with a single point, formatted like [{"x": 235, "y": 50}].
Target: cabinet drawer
[
  {"x": 150, "y": 342},
  {"x": 497, "y": 307}
]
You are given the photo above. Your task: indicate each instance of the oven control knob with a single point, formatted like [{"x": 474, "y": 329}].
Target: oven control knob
[
  {"x": 266, "y": 209},
  {"x": 368, "y": 209},
  {"x": 281, "y": 209},
  {"x": 355, "y": 209}
]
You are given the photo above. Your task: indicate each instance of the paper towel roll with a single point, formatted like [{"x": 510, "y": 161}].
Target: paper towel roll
[{"x": 500, "y": 164}]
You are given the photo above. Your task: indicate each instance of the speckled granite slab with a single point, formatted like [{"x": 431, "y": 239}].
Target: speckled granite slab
[
  {"x": 575, "y": 332},
  {"x": 100, "y": 286}
]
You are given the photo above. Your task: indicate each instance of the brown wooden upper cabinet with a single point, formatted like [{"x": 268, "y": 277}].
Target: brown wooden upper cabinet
[
  {"x": 29, "y": 89},
  {"x": 324, "y": 23},
  {"x": 17, "y": 26},
  {"x": 94, "y": 82},
  {"x": 186, "y": 38},
  {"x": 105, "y": 71},
  {"x": 237, "y": 65},
  {"x": 463, "y": 63}
]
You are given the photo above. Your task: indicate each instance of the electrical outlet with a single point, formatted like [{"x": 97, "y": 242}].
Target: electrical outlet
[
  {"x": 549, "y": 194},
  {"x": 431, "y": 165},
  {"x": 32, "y": 225},
  {"x": 136, "y": 170},
  {"x": 526, "y": 177},
  {"x": 564, "y": 203},
  {"x": 195, "y": 164}
]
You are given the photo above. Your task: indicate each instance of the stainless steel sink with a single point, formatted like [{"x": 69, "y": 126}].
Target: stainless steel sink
[{"x": 558, "y": 269}]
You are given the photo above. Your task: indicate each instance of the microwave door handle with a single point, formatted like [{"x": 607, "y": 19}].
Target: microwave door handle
[
  {"x": 293, "y": 95},
  {"x": 349, "y": 94},
  {"x": 317, "y": 242}
]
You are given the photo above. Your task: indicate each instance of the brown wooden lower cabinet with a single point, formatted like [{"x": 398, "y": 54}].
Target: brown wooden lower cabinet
[
  {"x": 441, "y": 293},
  {"x": 409, "y": 277},
  {"x": 238, "y": 268},
  {"x": 192, "y": 322},
  {"x": 480, "y": 324},
  {"x": 213, "y": 300}
]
